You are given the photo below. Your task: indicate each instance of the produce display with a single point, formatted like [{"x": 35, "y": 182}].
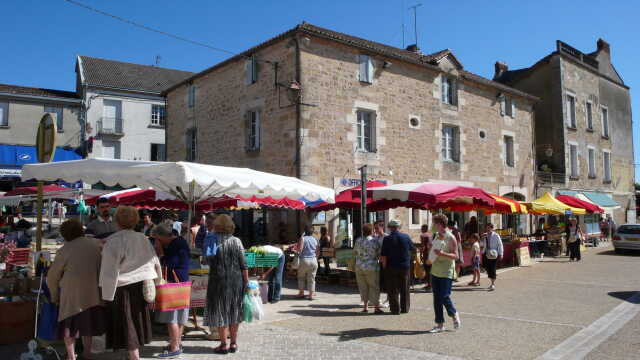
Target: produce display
[{"x": 260, "y": 250}]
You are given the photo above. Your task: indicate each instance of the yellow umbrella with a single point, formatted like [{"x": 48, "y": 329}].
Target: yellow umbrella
[{"x": 547, "y": 204}]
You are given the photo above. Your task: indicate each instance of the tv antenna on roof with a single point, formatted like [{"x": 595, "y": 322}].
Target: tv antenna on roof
[{"x": 415, "y": 20}]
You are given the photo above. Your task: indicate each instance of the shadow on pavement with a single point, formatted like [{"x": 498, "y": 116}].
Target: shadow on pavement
[
  {"x": 469, "y": 288},
  {"x": 623, "y": 253},
  {"x": 323, "y": 313},
  {"x": 626, "y": 296},
  {"x": 349, "y": 335},
  {"x": 327, "y": 306}
]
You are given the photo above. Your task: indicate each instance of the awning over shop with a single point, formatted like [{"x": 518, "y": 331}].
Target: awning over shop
[
  {"x": 547, "y": 204},
  {"x": 567, "y": 192},
  {"x": 12, "y": 157},
  {"x": 575, "y": 202},
  {"x": 601, "y": 199}
]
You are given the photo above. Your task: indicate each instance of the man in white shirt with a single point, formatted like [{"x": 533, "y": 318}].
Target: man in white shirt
[{"x": 275, "y": 274}]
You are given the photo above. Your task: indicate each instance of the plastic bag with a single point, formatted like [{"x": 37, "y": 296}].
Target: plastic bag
[
  {"x": 247, "y": 308},
  {"x": 256, "y": 303}
]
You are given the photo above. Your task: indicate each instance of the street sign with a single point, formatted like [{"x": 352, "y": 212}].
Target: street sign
[{"x": 46, "y": 139}]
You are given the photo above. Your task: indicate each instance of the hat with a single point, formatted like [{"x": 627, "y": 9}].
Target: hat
[{"x": 394, "y": 223}]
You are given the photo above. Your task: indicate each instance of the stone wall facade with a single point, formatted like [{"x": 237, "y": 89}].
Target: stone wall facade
[{"x": 406, "y": 150}]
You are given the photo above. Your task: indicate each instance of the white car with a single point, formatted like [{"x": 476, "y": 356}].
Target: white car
[{"x": 626, "y": 237}]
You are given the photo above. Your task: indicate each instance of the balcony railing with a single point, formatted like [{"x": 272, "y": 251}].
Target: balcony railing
[
  {"x": 110, "y": 126},
  {"x": 567, "y": 49},
  {"x": 545, "y": 177}
]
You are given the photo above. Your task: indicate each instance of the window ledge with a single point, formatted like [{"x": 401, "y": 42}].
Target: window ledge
[
  {"x": 605, "y": 137},
  {"x": 60, "y": 130},
  {"x": 606, "y": 182},
  {"x": 590, "y": 130},
  {"x": 592, "y": 177},
  {"x": 450, "y": 106},
  {"x": 5, "y": 127},
  {"x": 363, "y": 82},
  {"x": 151, "y": 126},
  {"x": 574, "y": 177},
  {"x": 572, "y": 128},
  {"x": 249, "y": 150}
]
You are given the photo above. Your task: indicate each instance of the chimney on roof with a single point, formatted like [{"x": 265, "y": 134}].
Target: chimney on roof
[
  {"x": 414, "y": 49},
  {"x": 603, "y": 45},
  {"x": 500, "y": 68}
]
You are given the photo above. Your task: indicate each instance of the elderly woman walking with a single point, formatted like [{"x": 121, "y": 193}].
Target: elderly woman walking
[
  {"x": 174, "y": 257},
  {"x": 73, "y": 282},
  {"x": 128, "y": 259},
  {"x": 228, "y": 278},
  {"x": 367, "y": 251}
]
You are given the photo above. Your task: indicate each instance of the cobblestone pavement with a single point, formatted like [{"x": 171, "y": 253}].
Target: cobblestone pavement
[{"x": 535, "y": 311}]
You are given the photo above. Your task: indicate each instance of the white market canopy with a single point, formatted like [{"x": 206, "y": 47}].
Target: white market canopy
[{"x": 186, "y": 181}]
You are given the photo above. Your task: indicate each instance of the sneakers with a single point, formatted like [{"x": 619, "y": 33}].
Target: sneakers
[
  {"x": 436, "y": 330},
  {"x": 457, "y": 324},
  {"x": 491, "y": 287},
  {"x": 166, "y": 354}
]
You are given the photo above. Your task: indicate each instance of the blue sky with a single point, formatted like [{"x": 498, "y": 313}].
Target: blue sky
[{"x": 42, "y": 37}]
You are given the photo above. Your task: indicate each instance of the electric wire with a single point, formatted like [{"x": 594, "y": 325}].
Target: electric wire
[{"x": 148, "y": 28}]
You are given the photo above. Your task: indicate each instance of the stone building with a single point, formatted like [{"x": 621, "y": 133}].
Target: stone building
[
  {"x": 583, "y": 124},
  {"x": 123, "y": 111},
  {"x": 320, "y": 104},
  {"x": 21, "y": 109}
]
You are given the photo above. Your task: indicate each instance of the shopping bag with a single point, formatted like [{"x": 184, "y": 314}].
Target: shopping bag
[
  {"x": 48, "y": 322},
  {"x": 173, "y": 296},
  {"x": 247, "y": 308},
  {"x": 256, "y": 307}
]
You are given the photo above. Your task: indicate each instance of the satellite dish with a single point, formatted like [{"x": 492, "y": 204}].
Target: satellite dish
[{"x": 46, "y": 139}]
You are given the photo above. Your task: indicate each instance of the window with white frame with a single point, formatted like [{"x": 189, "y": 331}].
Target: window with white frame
[
  {"x": 571, "y": 111},
  {"x": 591, "y": 152},
  {"x": 365, "y": 140},
  {"x": 450, "y": 143},
  {"x": 57, "y": 111},
  {"x": 415, "y": 217},
  {"x": 253, "y": 130},
  {"x": 508, "y": 106},
  {"x": 509, "y": 155},
  {"x": 605, "y": 121},
  {"x": 606, "y": 163},
  {"x": 4, "y": 114},
  {"x": 573, "y": 158},
  {"x": 191, "y": 96},
  {"x": 110, "y": 149},
  {"x": 157, "y": 115},
  {"x": 251, "y": 70},
  {"x": 192, "y": 144},
  {"x": 449, "y": 90},
  {"x": 158, "y": 152},
  {"x": 589, "y": 115},
  {"x": 366, "y": 69}
]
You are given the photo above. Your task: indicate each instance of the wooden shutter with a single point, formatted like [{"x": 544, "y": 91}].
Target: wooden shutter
[
  {"x": 364, "y": 67},
  {"x": 254, "y": 69},
  {"x": 370, "y": 69},
  {"x": 373, "y": 135},
  {"x": 248, "y": 72},
  {"x": 258, "y": 130},
  {"x": 456, "y": 144},
  {"x": 503, "y": 105},
  {"x": 247, "y": 130},
  {"x": 443, "y": 88},
  {"x": 454, "y": 92}
]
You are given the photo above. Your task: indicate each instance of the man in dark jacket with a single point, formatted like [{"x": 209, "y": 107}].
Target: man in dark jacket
[{"x": 396, "y": 262}]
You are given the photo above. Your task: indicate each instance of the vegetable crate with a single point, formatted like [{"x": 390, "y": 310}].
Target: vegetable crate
[
  {"x": 267, "y": 260},
  {"x": 250, "y": 259}
]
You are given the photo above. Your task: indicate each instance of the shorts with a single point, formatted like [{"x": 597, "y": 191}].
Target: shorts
[{"x": 476, "y": 263}]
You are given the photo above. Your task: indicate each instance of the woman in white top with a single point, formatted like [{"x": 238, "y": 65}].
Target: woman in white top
[
  {"x": 127, "y": 260},
  {"x": 493, "y": 251},
  {"x": 574, "y": 239}
]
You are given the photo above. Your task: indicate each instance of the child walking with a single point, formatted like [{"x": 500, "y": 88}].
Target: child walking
[{"x": 476, "y": 259}]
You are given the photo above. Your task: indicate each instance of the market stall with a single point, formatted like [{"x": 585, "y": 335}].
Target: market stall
[{"x": 184, "y": 183}]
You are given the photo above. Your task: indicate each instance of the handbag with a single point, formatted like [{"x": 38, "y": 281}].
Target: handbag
[
  {"x": 492, "y": 254},
  {"x": 173, "y": 296},
  {"x": 149, "y": 291}
]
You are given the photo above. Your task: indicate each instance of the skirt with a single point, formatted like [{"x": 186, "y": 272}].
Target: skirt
[
  {"x": 179, "y": 317},
  {"x": 129, "y": 319},
  {"x": 91, "y": 322}
]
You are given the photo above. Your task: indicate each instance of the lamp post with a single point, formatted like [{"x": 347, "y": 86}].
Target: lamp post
[{"x": 363, "y": 198}]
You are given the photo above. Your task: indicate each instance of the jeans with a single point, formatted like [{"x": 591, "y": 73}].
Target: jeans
[
  {"x": 442, "y": 297},
  {"x": 275, "y": 281},
  {"x": 396, "y": 281},
  {"x": 307, "y": 274}
]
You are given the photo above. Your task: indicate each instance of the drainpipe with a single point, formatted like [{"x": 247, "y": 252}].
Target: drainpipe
[{"x": 298, "y": 130}]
